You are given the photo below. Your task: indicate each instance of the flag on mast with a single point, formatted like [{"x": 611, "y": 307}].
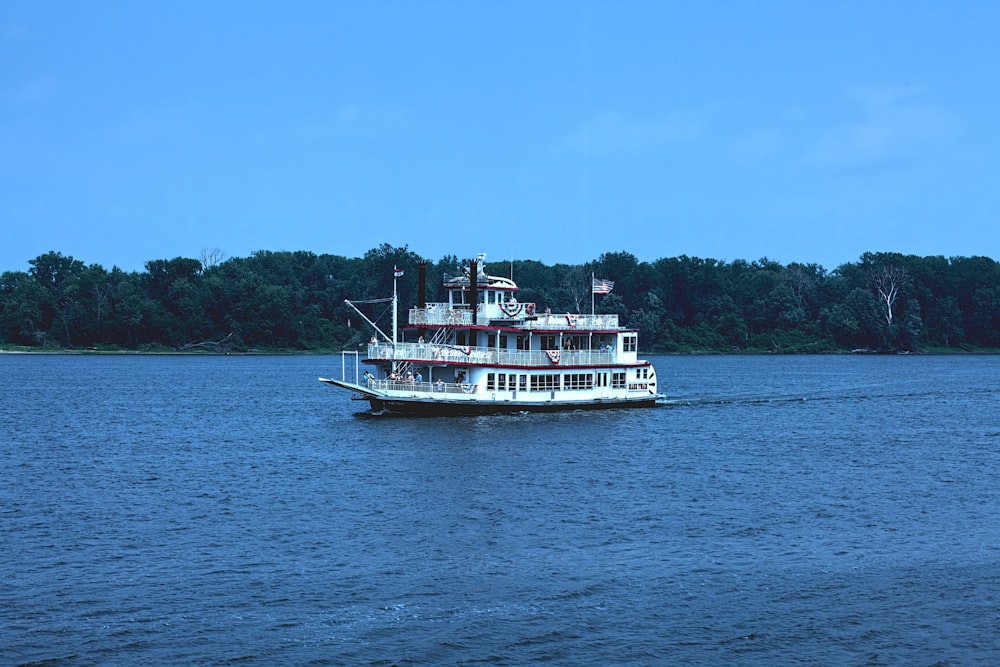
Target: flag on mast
[
  {"x": 397, "y": 272},
  {"x": 602, "y": 286}
]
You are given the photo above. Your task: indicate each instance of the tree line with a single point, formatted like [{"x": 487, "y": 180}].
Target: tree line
[{"x": 273, "y": 301}]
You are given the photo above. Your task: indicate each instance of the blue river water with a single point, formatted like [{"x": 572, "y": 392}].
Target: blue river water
[{"x": 212, "y": 510}]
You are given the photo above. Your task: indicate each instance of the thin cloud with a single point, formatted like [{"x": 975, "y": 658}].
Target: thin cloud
[
  {"x": 347, "y": 122},
  {"x": 757, "y": 145},
  {"x": 612, "y": 133},
  {"x": 893, "y": 123},
  {"x": 36, "y": 91}
]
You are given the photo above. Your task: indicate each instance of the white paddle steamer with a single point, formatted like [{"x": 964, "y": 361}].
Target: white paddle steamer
[{"x": 483, "y": 351}]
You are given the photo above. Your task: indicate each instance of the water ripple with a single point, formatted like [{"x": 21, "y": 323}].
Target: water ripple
[{"x": 232, "y": 510}]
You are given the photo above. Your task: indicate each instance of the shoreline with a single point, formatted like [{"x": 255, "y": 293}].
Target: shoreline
[{"x": 936, "y": 352}]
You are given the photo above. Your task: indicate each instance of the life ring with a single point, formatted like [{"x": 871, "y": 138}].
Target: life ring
[{"x": 530, "y": 308}]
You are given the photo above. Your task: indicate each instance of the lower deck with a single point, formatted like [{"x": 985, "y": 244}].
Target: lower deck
[
  {"x": 470, "y": 399},
  {"x": 493, "y": 383}
]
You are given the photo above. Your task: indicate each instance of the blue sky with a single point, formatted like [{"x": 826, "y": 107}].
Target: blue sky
[{"x": 799, "y": 131}]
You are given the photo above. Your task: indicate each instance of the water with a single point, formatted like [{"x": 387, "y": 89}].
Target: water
[{"x": 233, "y": 510}]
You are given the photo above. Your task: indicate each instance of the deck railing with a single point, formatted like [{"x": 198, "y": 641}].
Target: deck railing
[
  {"x": 440, "y": 314},
  {"x": 425, "y": 352},
  {"x": 437, "y": 388}
]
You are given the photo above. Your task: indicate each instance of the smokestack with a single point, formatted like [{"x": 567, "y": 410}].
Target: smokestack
[{"x": 421, "y": 285}]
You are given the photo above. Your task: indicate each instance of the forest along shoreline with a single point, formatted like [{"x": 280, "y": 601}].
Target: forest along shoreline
[
  {"x": 293, "y": 302},
  {"x": 321, "y": 353}
]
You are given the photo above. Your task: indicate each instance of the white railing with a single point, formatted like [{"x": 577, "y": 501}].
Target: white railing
[
  {"x": 425, "y": 352},
  {"x": 570, "y": 322},
  {"x": 440, "y": 314},
  {"x": 431, "y": 388}
]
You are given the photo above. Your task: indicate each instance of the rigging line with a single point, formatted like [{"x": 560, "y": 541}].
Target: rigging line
[{"x": 384, "y": 313}]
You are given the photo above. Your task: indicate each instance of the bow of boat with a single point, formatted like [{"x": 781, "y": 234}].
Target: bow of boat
[{"x": 366, "y": 392}]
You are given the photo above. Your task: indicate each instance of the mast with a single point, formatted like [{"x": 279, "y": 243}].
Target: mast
[
  {"x": 474, "y": 288},
  {"x": 421, "y": 293},
  {"x": 395, "y": 304},
  {"x": 397, "y": 273}
]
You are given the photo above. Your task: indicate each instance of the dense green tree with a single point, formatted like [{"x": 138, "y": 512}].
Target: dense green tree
[
  {"x": 59, "y": 276},
  {"x": 296, "y": 300},
  {"x": 985, "y": 321},
  {"x": 21, "y": 317}
]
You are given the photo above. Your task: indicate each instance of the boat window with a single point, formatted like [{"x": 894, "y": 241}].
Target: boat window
[
  {"x": 618, "y": 380},
  {"x": 544, "y": 382},
  {"x": 578, "y": 381}
]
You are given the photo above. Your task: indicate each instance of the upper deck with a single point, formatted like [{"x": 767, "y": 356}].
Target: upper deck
[
  {"x": 483, "y": 356},
  {"x": 509, "y": 314}
]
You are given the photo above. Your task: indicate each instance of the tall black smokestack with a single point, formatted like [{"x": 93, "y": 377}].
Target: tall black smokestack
[
  {"x": 474, "y": 286},
  {"x": 421, "y": 285}
]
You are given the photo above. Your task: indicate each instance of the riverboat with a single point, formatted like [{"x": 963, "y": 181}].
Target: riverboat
[{"x": 483, "y": 351}]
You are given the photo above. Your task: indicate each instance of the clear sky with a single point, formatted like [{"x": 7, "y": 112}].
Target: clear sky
[{"x": 800, "y": 131}]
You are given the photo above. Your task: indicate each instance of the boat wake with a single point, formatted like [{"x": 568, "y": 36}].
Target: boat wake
[{"x": 839, "y": 397}]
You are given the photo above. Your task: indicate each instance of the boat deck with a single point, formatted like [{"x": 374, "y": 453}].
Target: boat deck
[{"x": 456, "y": 354}]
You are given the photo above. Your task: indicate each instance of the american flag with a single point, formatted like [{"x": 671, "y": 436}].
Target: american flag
[
  {"x": 602, "y": 286},
  {"x": 397, "y": 272}
]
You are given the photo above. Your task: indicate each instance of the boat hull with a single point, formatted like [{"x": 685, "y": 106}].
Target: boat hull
[
  {"x": 381, "y": 402},
  {"x": 469, "y": 408}
]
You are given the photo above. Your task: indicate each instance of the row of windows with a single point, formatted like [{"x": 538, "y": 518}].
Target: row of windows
[
  {"x": 506, "y": 381},
  {"x": 578, "y": 381},
  {"x": 545, "y": 382},
  {"x": 546, "y": 341},
  {"x": 551, "y": 381}
]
